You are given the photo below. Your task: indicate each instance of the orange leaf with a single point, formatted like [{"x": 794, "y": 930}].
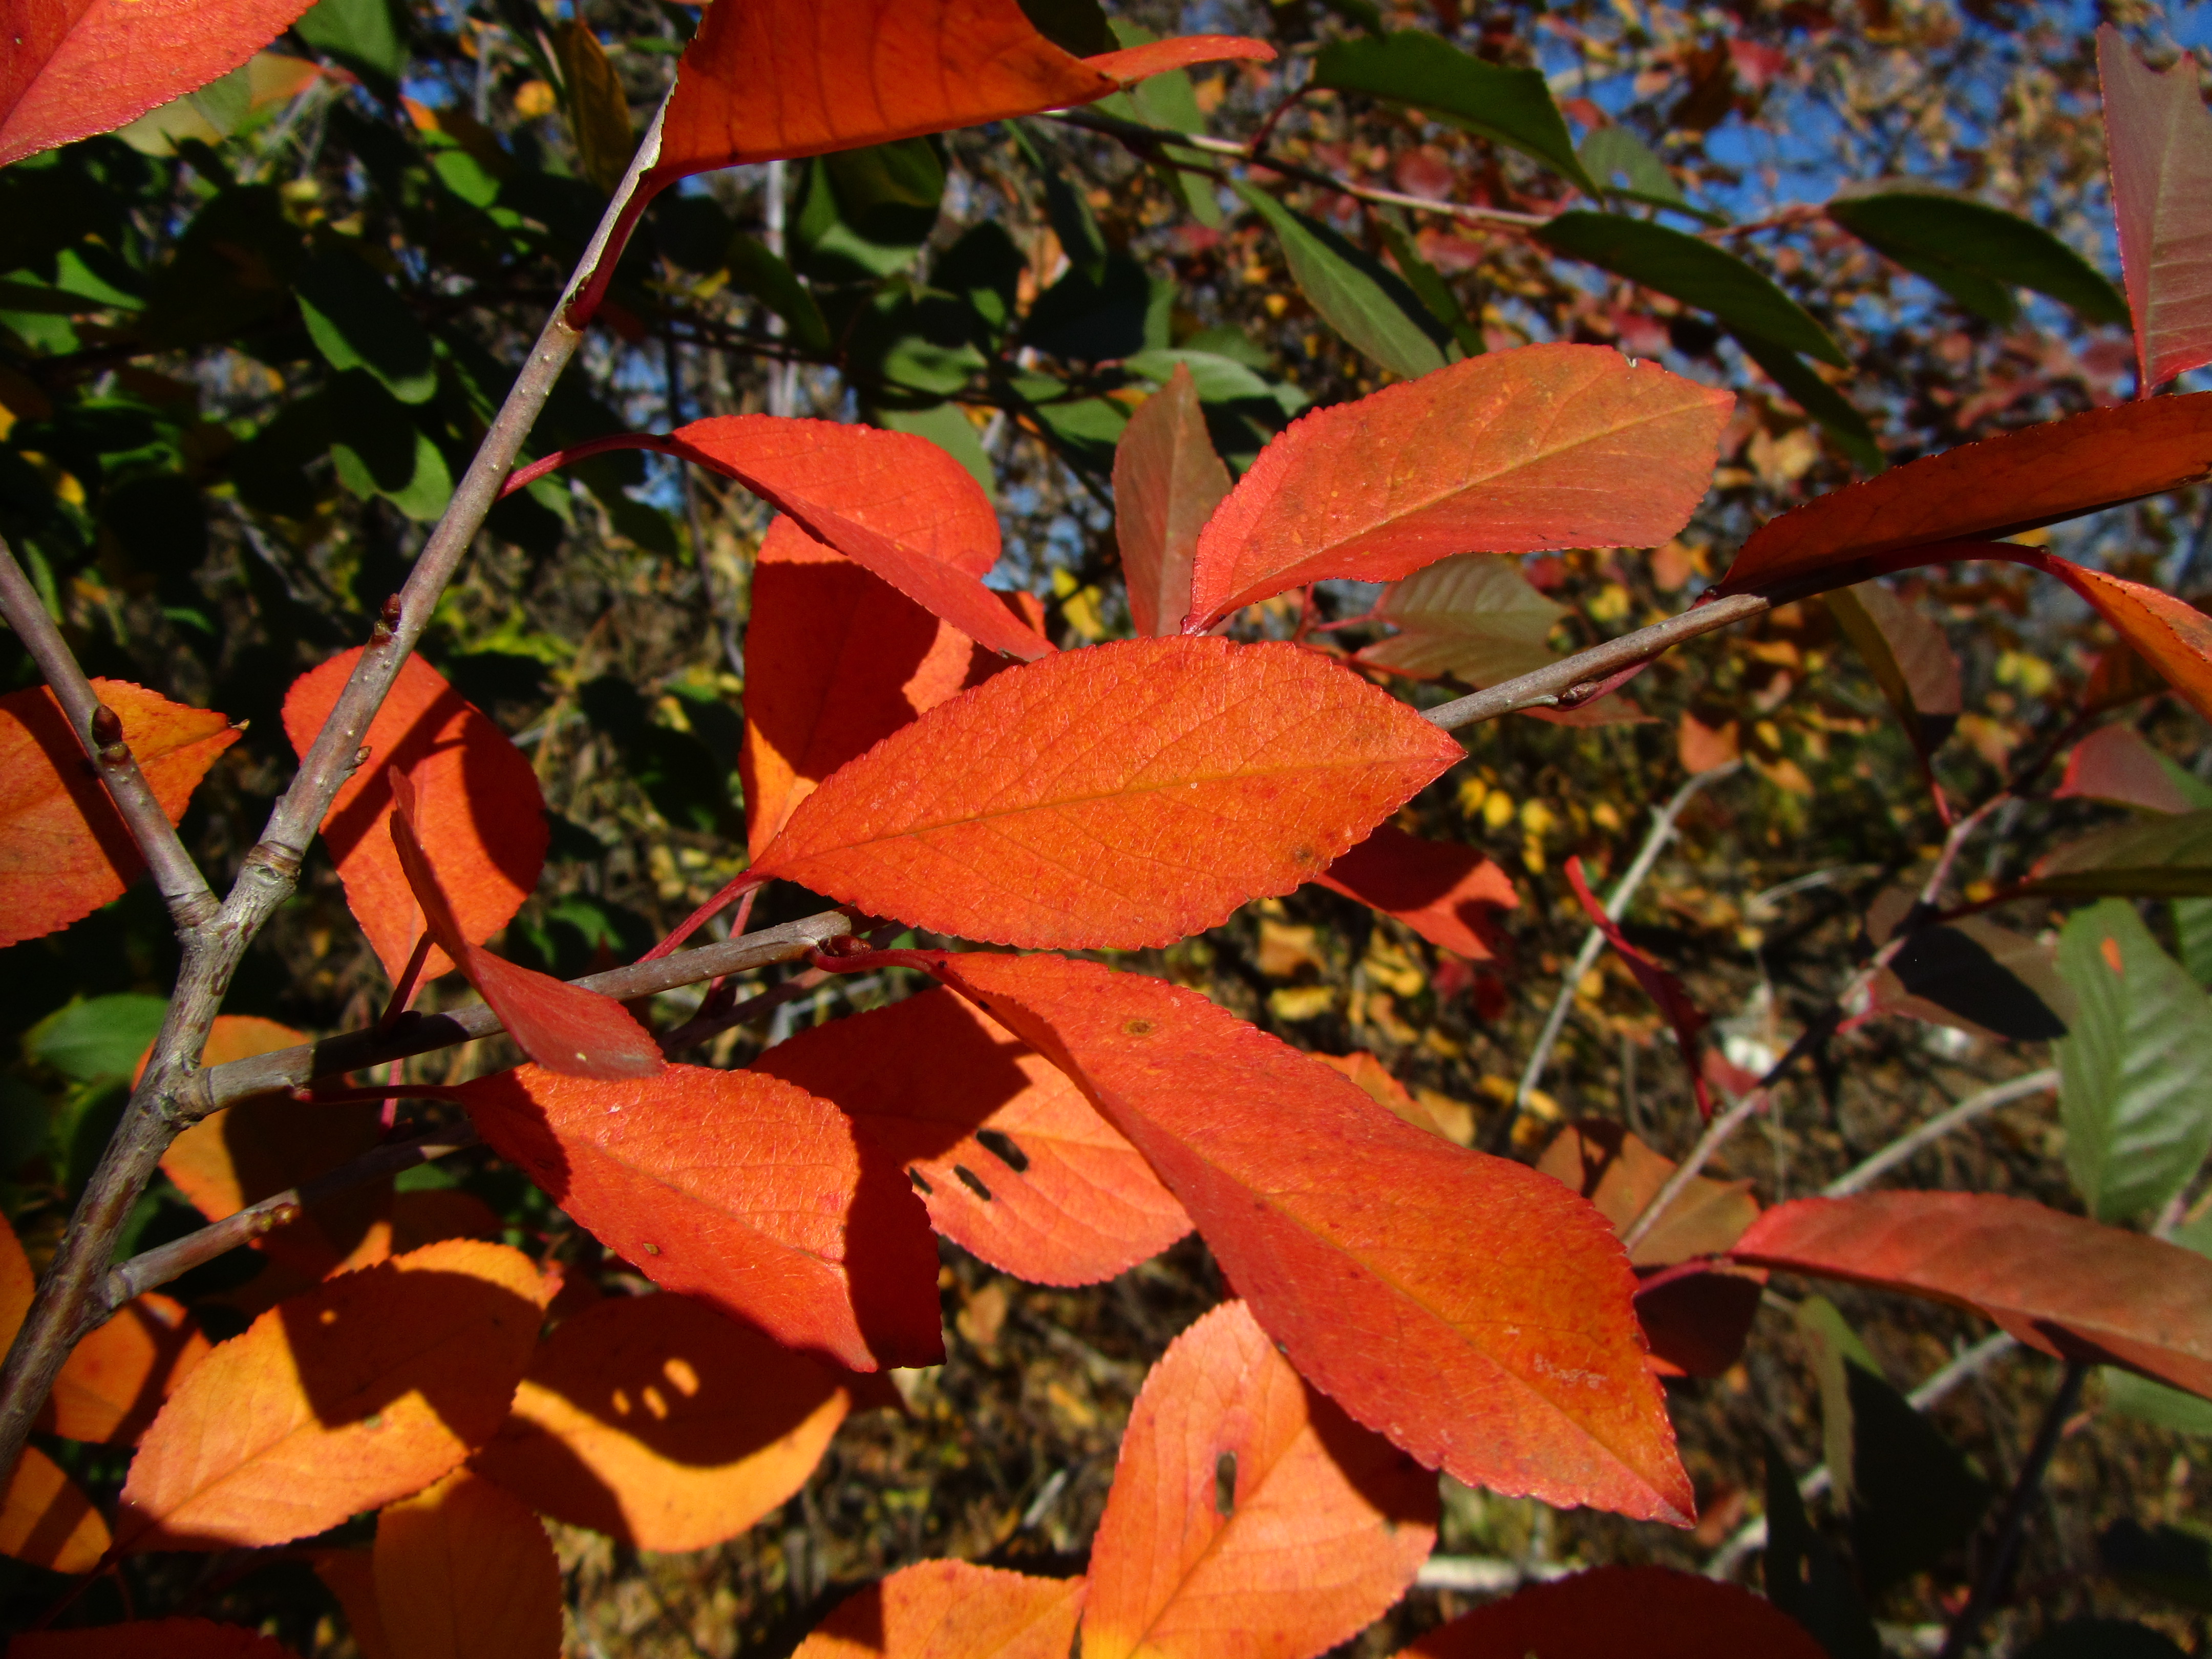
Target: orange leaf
[
  {"x": 2059, "y": 1284},
  {"x": 360, "y": 1391},
  {"x": 1620, "y": 1174},
  {"x": 171, "y": 1639},
  {"x": 737, "y": 1189},
  {"x": 1115, "y": 797},
  {"x": 762, "y": 81},
  {"x": 1374, "y": 1080},
  {"x": 2173, "y": 637},
  {"x": 889, "y": 501},
  {"x": 116, "y": 1378},
  {"x": 464, "y": 1571},
  {"x": 559, "y": 1025},
  {"x": 1167, "y": 482},
  {"x": 18, "y": 1284},
  {"x": 63, "y": 849},
  {"x": 482, "y": 820},
  {"x": 1439, "y": 889},
  {"x": 46, "y": 1519},
  {"x": 77, "y": 67},
  {"x": 1541, "y": 446},
  {"x": 836, "y": 658},
  {"x": 951, "y": 1610},
  {"x": 1250, "y": 1518},
  {"x": 661, "y": 1423},
  {"x": 1511, "y": 1360},
  {"x": 1013, "y": 1163},
  {"x": 1650, "y": 1612}
]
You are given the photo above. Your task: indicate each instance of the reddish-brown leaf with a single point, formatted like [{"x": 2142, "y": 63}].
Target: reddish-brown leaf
[
  {"x": 1323, "y": 1526},
  {"x": 1687, "y": 1018},
  {"x": 72, "y": 68},
  {"x": 1616, "y": 1171},
  {"x": 953, "y": 1610},
  {"x": 1511, "y": 1360},
  {"x": 2060, "y": 1284},
  {"x": 465, "y": 1572},
  {"x": 46, "y": 1519},
  {"x": 836, "y": 659},
  {"x": 1697, "y": 1321},
  {"x": 1115, "y": 797},
  {"x": 889, "y": 501},
  {"x": 1609, "y": 1611},
  {"x": 2159, "y": 141},
  {"x": 2115, "y": 764},
  {"x": 481, "y": 819},
  {"x": 1440, "y": 889},
  {"x": 738, "y": 1189},
  {"x": 661, "y": 1423},
  {"x": 1542, "y": 446},
  {"x": 360, "y": 1391},
  {"x": 63, "y": 849},
  {"x": 1013, "y": 1164},
  {"x": 170, "y": 1638},
  {"x": 116, "y": 1378},
  {"x": 1909, "y": 657},
  {"x": 1167, "y": 482},
  {"x": 351, "y": 1576},
  {"x": 559, "y": 1025},
  {"x": 18, "y": 1284}
]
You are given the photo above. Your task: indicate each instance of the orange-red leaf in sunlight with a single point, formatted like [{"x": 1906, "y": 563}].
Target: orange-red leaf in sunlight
[
  {"x": 2016, "y": 481},
  {"x": 116, "y": 1378},
  {"x": 1114, "y": 797},
  {"x": 1013, "y": 1164},
  {"x": 2159, "y": 141},
  {"x": 737, "y": 1189},
  {"x": 77, "y": 67},
  {"x": 1512, "y": 1360},
  {"x": 889, "y": 501},
  {"x": 1514, "y": 452},
  {"x": 1687, "y": 1018},
  {"x": 1439, "y": 889},
  {"x": 2117, "y": 763},
  {"x": 465, "y": 1572},
  {"x": 1250, "y": 1518},
  {"x": 2058, "y": 1283},
  {"x": 2174, "y": 637},
  {"x": 836, "y": 658},
  {"x": 18, "y": 1284},
  {"x": 63, "y": 849},
  {"x": 1167, "y": 482},
  {"x": 171, "y": 1639},
  {"x": 359, "y": 1392},
  {"x": 1620, "y": 1174},
  {"x": 953, "y": 1610},
  {"x": 1651, "y": 1612},
  {"x": 559, "y": 1025},
  {"x": 1376, "y": 1082},
  {"x": 660, "y": 1422},
  {"x": 481, "y": 818},
  {"x": 46, "y": 1519},
  {"x": 760, "y": 81}
]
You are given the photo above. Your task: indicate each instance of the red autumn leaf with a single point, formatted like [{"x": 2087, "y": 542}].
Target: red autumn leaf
[
  {"x": 1439, "y": 889},
  {"x": 1619, "y": 1173},
  {"x": 2116, "y": 763},
  {"x": 1661, "y": 985},
  {"x": 559, "y": 1025},
  {"x": 1013, "y": 1163},
  {"x": 77, "y": 67},
  {"x": 1115, "y": 797},
  {"x": 658, "y": 1421},
  {"x": 360, "y": 1391},
  {"x": 1511, "y": 1360},
  {"x": 1167, "y": 482},
  {"x": 2059, "y": 1284},
  {"x": 117, "y": 1376},
  {"x": 171, "y": 1639},
  {"x": 1908, "y": 655},
  {"x": 953, "y": 1610},
  {"x": 737, "y": 1189},
  {"x": 2159, "y": 141},
  {"x": 46, "y": 1519},
  {"x": 63, "y": 849},
  {"x": 1514, "y": 452},
  {"x": 1250, "y": 1518},
  {"x": 2174, "y": 638},
  {"x": 465, "y": 1572},
  {"x": 1651, "y": 1612},
  {"x": 482, "y": 820},
  {"x": 836, "y": 659}
]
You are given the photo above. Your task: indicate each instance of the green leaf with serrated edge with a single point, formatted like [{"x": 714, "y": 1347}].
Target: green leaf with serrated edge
[
  {"x": 1509, "y": 106},
  {"x": 2154, "y": 1402},
  {"x": 1693, "y": 271},
  {"x": 1612, "y": 151},
  {"x": 1372, "y": 308},
  {"x": 357, "y": 321},
  {"x": 2135, "y": 1069},
  {"x": 1805, "y": 1576},
  {"x": 756, "y": 269},
  {"x": 1427, "y": 281},
  {"x": 1472, "y": 615},
  {"x": 2157, "y": 857},
  {"x": 1818, "y": 399},
  {"x": 1977, "y": 253}
]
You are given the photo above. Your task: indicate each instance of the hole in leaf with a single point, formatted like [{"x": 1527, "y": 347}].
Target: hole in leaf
[
  {"x": 974, "y": 1182},
  {"x": 1225, "y": 1485},
  {"x": 1137, "y": 1028},
  {"x": 1001, "y": 1143}
]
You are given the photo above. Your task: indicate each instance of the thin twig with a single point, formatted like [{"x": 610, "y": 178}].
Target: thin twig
[{"x": 1897, "y": 1151}]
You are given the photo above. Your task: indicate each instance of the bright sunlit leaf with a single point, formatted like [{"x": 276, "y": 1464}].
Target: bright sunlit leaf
[
  {"x": 953, "y": 1610},
  {"x": 465, "y": 1572},
  {"x": 46, "y": 1518},
  {"x": 117, "y": 1376}
]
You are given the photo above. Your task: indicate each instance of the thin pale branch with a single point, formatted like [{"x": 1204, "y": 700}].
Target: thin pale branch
[{"x": 1974, "y": 1106}]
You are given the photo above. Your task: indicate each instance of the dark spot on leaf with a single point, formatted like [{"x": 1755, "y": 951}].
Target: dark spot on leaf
[
  {"x": 1304, "y": 855},
  {"x": 915, "y": 1175},
  {"x": 1002, "y": 1143},
  {"x": 1137, "y": 1028},
  {"x": 973, "y": 1184},
  {"x": 1225, "y": 1485}
]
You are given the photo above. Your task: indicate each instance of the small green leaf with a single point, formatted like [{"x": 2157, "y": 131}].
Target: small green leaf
[
  {"x": 864, "y": 214},
  {"x": 99, "y": 1040},
  {"x": 1977, "y": 253},
  {"x": 1818, "y": 399},
  {"x": 2136, "y": 1070},
  {"x": 1509, "y": 106},
  {"x": 1693, "y": 271},
  {"x": 756, "y": 269},
  {"x": 1371, "y": 307},
  {"x": 2192, "y": 929},
  {"x": 1427, "y": 281},
  {"x": 357, "y": 321},
  {"x": 1615, "y": 151},
  {"x": 360, "y": 34},
  {"x": 376, "y": 449}
]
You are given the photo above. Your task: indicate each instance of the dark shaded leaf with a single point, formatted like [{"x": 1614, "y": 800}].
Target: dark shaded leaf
[
  {"x": 1977, "y": 253},
  {"x": 1804, "y": 1575},
  {"x": 1362, "y": 300}
]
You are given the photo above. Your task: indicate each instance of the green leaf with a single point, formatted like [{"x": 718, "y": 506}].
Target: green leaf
[
  {"x": 1169, "y": 100},
  {"x": 378, "y": 450},
  {"x": 1066, "y": 208},
  {"x": 1087, "y": 321},
  {"x": 1693, "y": 271},
  {"x": 1805, "y": 1576},
  {"x": 357, "y": 321},
  {"x": 1509, "y": 106},
  {"x": 1427, "y": 281},
  {"x": 756, "y": 269},
  {"x": 1977, "y": 253},
  {"x": 1472, "y": 615},
  {"x": 947, "y": 426},
  {"x": 1370, "y": 306},
  {"x": 1818, "y": 398},
  {"x": 2156, "y": 858},
  {"x": 1219, "y": 379},
  {"x": 2192, "y": 929},
  {"x": 2173, "y": 1563},
  {"x": 99, "y": 1040},
  {"x": 2136, "y": 1070},
  {"x": 362, "y": 34},
  {"x": 983, "y": 269},
  {"x": 864, "y": 214},
  {"x": 1615, "y": 151}
]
